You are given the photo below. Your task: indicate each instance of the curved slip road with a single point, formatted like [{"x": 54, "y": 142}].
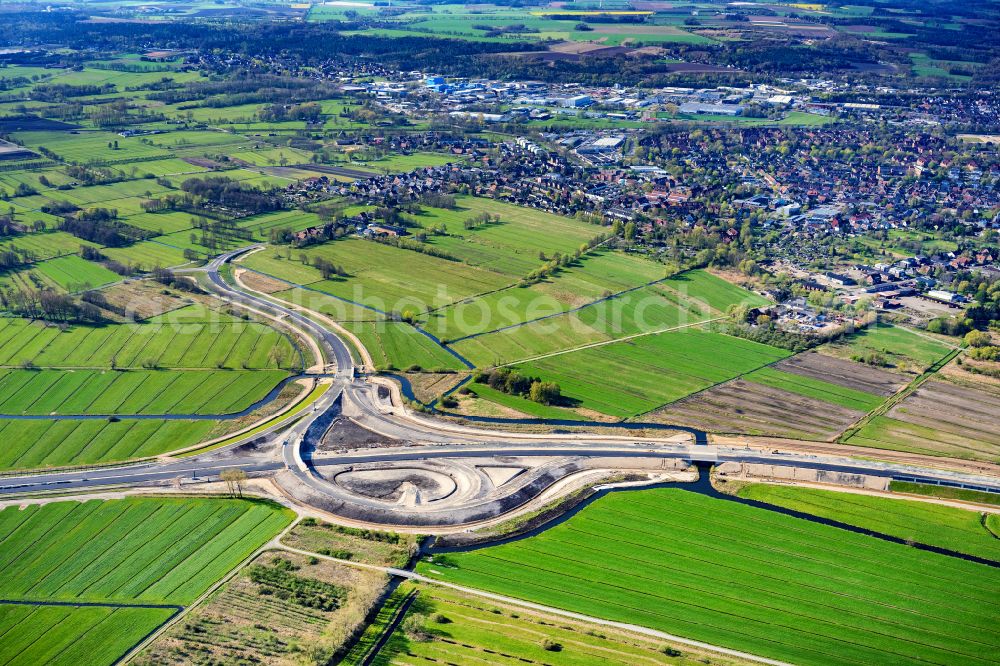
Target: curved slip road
[{"x": 433, "y": 438}]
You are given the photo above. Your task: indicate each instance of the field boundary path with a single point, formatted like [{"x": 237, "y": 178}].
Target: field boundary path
[
  {"x": 901, "y": 395},
  {"x": 513, "y": 601},
  {"x": 602, "y": 343},
  {"x": 603, "y": 299},
  {"x": 390, "y": 629}
]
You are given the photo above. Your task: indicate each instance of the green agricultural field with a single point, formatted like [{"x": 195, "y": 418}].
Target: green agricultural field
[
  {"x": 471, "y": 634},
  {"x": 174, "y": 340},
  {"x": 73, "y": 273},
  {"x": 216, "y": 116},
  {"x": 294, "y": 220},
  {"x": 72, "y": 635},
  {"x": 11, "y": 179},
  {"x": 182, "y": 240},
  {"x": 121, "y": 553},
  {"x": 792, "y": 118},
  {"x": 74, "y": 392},
  {"x": 923, "y": 65},
  {"x": 382, "y": 276},
  {"x": 148, "y": 255},
  {"x": 594, "y": 276},
  {"x": 199, "y": 138},
  {"x": 399, "y": 163},
  {"x": 140, "y": 550},
  {"x": 109, "y": 196},
  {"x": 39, "y": 443},
  {"x": 636, "y": 376},
  {"x": 681, "y": 300},
  {"x": 272, "y": 156},
  {"x": 166, "y": 167},
  {"x": 747, "y": 579},
  {"x": 91, "y": 146},
  {"x": 399, "y": 345},
  {"x": 165, "y": 223},
  {"x": 902, "y": 348},
  {"x": 803, "y": 118},
  {"x": 816, "y": 388},
  {"x": 905, "y": 243},
  {"x": 961, "y": 530},
  {"x": 46, "y": 245},
  {"x": 514, "y": 245}
]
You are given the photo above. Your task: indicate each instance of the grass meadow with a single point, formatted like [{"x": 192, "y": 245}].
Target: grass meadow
[
  {"x": 512, "y": 246},
  {"x": 684, "y": 299},
  {"x": 590, "y": 278},
  {"x": 92, "y": 146},
  {"x": 661, "y": 369},
  {"x": 747, "y": 579},
  {"x": 73, "y": 273},
  {"x": 903, "y": 348},
  {"x": 147, "y": 255},
  {"x": 479, "y": 631},
  {"x": 399, "y": 345},
  {"x": 961, "y": 530},
  {"x": 382, "y": 276},
  {"x": 46, "y": 245}
]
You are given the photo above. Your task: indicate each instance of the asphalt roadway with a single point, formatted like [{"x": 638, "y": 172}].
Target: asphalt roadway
[{"x": 429, "y": 439}]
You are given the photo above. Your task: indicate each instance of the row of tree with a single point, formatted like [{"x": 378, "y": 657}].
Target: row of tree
[{"x": 49, "y": 305}]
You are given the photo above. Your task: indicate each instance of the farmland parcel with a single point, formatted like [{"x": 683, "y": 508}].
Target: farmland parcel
[{"x": 748, "y": 579}]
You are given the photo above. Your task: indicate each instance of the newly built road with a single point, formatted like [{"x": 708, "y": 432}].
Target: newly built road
[{"x": 420, "y": 438}]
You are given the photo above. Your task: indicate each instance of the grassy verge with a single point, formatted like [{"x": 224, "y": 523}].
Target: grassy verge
[
  {"x": 944, "y": 492},
  {"x": 746, "y": 578},
  {"x": 267, "y": 425},
  {"x": 956, "y": 529}
]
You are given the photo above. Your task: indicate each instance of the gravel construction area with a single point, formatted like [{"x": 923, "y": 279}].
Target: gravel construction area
[
  {"x": 742, "y": 407},
  {"x": 346, "y": 434},
  {"x": 843, "y": 373}
]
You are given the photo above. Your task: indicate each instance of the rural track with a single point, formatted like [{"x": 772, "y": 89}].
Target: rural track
[
  {"x": 430, "y": 440},
  {"x": 559, "y": 612},
  {"x": 445, "y": 439}
]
